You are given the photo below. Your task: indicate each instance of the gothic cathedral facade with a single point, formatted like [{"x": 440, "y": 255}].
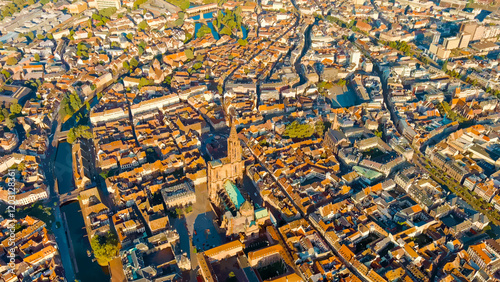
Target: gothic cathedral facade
[{"x": 231, "y": 167}]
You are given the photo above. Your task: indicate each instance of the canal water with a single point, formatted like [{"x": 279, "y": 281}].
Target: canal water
[
  {"x": 87, "y": 270},
  {"x": 63, "y": 168}
]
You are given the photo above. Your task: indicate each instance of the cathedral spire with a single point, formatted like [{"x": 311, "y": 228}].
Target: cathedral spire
[
  {"x": 233, "y": 130},
  {"x": 234, "y": 150},
  {"x": 335, "y": 125}
]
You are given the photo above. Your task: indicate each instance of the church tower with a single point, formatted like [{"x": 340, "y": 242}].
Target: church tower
[
  {"x": 230, "y": 168},
  {"x": 234, "y": 150},
  {"x": 336, "y": 125}
]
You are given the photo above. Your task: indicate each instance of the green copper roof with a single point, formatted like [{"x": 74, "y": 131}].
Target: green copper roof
[
  {"x": 261, "y": 213},
  {"x": 234, "y": 194},
  {"x": 368, "y": 173}
]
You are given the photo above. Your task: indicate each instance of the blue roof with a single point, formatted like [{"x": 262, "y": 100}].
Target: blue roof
[{"x": 234, "y": 194}]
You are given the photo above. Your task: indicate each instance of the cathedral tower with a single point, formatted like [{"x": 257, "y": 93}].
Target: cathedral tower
[
  {"x": 230, "y": 168},
  {"x": 234, "y": 150}
]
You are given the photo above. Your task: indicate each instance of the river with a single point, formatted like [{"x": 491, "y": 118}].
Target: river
[
  {"x": 88, "y": 271},
  {"x": 299, "y": 68},
  {"x": 85, "y": 268},
  {"x": 63, "y": 168}
]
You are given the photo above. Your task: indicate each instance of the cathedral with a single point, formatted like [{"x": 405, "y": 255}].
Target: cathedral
[
  {"x": 238, "y": 215},
  {"x": 230, "y": 168}
]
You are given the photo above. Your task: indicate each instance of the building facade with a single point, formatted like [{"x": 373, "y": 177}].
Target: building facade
[{"x": 229, "y": 168}]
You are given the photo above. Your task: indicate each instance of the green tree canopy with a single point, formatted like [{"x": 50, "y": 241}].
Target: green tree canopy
[
  {"x": 15, "y": 108},
  {"x": 126, "y": 65},
  {"x": 298, "y": 130},
  {"x": 70, "y": 104},
  {"x": 80, "y": 131},
  {"x": 138, "y": 3},
  {"x": 197, "y": 65},
  {"x": 107, "y": 12},
  {"x": 133, "y": 63},
  {"x": 319, "y": 127},
  {"x": 183, "y": 4},
  {"x": 203, "y": 30},
  {"x": 242, "y": 42},
  {"x": 144, "y": 82},
  {"x": 11, "y": 61},
  {"x": 189, "y": 53},
  {"x": 6, "y": 73},
  {"x": 10, "y": 123},
  {"x": 178, "y": 22},
  {"x": 105, "y": 248},
  {"x": 142, "y": 26}
]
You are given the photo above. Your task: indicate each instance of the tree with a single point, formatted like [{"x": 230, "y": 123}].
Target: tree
[
  {"x": 142, "y": 26},
  {"x": 142, "y": 47},
  {"x": 11, "y": 61},
  {"x": 75, "y": 101},
  {"x": 50, "y": 36},
  {"x": 130, "y": 37},
  {"x": 188, "y": 37},
  {"x": 168, "y": 80},
  {"x": 298, "y": 130},
  {"x": 138, "y": 3},
  {"x": 10, "y": 123},
  {"x": 80, "y": 131},
  {"x": 5, "y": 112},
  {"x": 144, "y": 82},
  {"x": 178, "y": 22},
  {"x": 319, "y": 127},
  {"x": 445, "y": 66},
  {"x": 107, "y": 12},
  {"x": 126, "y": 66},
  {"x": 197, "y": 65},
  {"x": 341, "y": 82},
  {"x": 189, "y": 54},
  {"x": 242, "y": 42},
  {"x": 226, "y": 31},
  {"x": 15, "y": 108},
  {"x": 37, "y": 57},
  {"x": 133, "y": 63},
  {"x": 5, "y": 73},
  {"x": 203, "y": 30},
  {"x": 105, "y": 248},
  {"x": 104, "y": 174}
]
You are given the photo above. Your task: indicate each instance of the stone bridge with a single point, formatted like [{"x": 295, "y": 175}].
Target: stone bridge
[
  {"x": 68, "y": 197},
  {"x": 200, "y": 10}
]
